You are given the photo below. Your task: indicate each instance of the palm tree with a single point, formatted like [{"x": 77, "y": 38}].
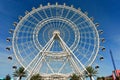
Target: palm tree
[
  {"x": 91, "y": 72},
  {"x": 8, "y": 77},
  {"x": 75, "y": 77},
  {"x": 36, "y": 77},
  {"x": 100, "y": 78},
  {"x": 20, "y": 73}
]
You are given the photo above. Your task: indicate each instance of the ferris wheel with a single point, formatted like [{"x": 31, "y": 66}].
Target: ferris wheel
[{"x": 56, "y": 40}]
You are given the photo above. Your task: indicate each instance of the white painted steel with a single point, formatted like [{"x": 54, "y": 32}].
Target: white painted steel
[{"x": 55, "y": 33}]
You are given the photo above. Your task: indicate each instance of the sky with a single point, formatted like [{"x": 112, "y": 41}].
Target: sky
[{"x": 105, "y": 12}]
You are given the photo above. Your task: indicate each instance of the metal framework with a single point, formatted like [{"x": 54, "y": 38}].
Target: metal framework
[{"x": 55, "y": 41}]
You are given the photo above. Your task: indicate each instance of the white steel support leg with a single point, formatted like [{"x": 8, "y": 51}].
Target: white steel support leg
[
  {"x": 41, "y": 58},
  {"x": 75, "y": 57},
  {"x": 70, "y": 58},
  {"x": 37, "y": 56},
  {"x": 37, "y": 61},
  {"x": 49, "y": 66},
  {"x": 62, "y": 66},
  {"x": 39, "y": 66},
  {"x": 75, "y": 66}
]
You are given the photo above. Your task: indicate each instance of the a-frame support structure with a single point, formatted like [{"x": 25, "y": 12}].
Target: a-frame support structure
[{"x": 41, "y": 61}]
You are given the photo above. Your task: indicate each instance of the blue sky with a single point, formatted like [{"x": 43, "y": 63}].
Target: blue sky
[{"x": 105, "y": 12}]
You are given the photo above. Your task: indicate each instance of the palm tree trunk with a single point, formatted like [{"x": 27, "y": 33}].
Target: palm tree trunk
[
  {"x": 20, "y": 77},
  {"x": 90, "y": 77}
]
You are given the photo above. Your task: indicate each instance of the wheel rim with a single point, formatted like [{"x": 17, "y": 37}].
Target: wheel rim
[{"x": 82, "y": 35}]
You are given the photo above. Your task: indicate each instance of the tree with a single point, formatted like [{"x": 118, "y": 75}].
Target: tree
[
  {"x": 8, "y": 77},
  {"x": 74, "y": 77},
  {"x": 100, "y": 78},
  {"x": 20, "y": 73},
  {"x": 118, "y": 78},
  {"x": 36, "y": 77},
  {"x": 90, "y": 72}
]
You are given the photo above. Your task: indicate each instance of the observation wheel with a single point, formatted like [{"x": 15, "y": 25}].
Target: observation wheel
[{"x": 55, "y": 40}]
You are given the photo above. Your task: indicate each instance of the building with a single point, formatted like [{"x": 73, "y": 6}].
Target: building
[{"x": 112, "y": 77}]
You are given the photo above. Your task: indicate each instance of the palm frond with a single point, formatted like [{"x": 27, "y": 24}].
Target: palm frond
[{"x": 20, "y": 72}]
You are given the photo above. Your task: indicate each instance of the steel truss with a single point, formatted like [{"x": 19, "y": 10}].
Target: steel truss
[
  {"x": 65, "y": 53},
  {"x": 36, "y": 34}
]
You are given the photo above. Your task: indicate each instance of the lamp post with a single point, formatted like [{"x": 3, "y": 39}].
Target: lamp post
[{"x": 113, "y": 65}]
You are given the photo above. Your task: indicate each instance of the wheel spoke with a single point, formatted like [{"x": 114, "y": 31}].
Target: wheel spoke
[{"x": 59, "y": 32}]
